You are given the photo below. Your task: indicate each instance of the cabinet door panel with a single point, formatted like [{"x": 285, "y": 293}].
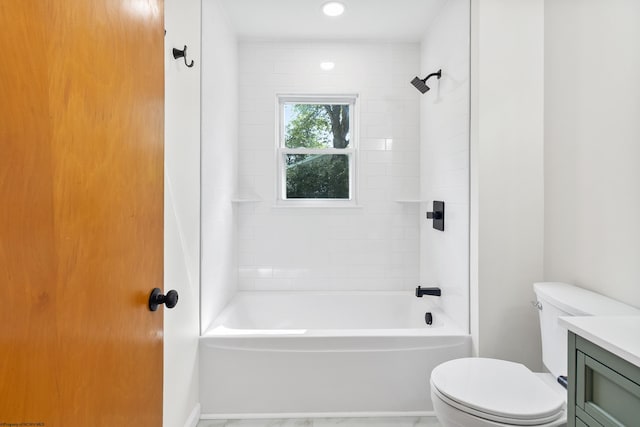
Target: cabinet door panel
[
  {"x": 579, "y": 423},
  {"x": 583, "y": 419},
  {"x": 608, "y": 397}
]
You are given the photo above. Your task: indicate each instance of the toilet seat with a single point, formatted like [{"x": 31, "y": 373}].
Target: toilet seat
[
  {"x": 496, "y": 390},
  {"x": 502, "y": 421}
]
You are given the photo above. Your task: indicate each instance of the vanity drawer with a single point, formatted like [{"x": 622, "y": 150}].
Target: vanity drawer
[{"x": 607, "y": 388}]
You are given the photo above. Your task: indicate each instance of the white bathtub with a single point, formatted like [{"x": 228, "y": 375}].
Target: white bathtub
[{"x": 304, "y": 354}]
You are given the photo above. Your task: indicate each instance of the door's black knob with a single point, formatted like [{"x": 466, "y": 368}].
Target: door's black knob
[{"x": 169, "y": 300}]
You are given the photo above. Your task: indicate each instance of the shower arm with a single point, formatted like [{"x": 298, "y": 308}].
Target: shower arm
[{"x": 438, "y": 74}]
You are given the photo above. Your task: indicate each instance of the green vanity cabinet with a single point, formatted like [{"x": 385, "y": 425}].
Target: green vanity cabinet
[{"x": 604, "y": 390}]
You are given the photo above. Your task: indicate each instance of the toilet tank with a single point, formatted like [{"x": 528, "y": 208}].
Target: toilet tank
[{"x": 561, "y": 299}]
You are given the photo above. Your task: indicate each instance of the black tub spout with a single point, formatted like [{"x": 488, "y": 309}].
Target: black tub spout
[{"x": 427, "y": 291}]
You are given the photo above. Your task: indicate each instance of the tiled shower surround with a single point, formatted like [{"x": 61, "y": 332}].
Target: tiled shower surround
[{"x": 372, "y": 246}]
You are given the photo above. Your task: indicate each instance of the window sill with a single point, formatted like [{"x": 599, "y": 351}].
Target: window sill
[
  {"x": 307, "y": 205},
  {"x": 245, "y": 200}
]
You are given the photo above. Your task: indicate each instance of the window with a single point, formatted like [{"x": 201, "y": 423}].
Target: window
[{"x": 316, "y": 150}]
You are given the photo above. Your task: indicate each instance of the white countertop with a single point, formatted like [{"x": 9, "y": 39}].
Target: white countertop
[{"x": 619, "y": 335}]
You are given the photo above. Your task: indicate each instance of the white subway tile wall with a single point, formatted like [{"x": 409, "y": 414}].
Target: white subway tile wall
[
  {"x": 444, "y": 165},
  {"x": 374, "y": 246},
  {"x": 219, "y": 166}
]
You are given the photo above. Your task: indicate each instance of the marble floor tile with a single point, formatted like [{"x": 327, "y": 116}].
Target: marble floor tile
[
  {"x": 257, "y": 423},
  {"x": 376, "y": 422},
  {"x": 327, "y": 422}
]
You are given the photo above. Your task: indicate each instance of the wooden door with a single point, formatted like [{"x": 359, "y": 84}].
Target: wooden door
[{"x": 81, "y": 212}]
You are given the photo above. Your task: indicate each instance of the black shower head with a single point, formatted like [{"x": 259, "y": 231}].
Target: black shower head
[{"x": 421, "y": 84}]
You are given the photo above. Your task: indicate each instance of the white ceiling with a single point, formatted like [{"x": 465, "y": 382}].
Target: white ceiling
[{"x": 396, "y": 20}]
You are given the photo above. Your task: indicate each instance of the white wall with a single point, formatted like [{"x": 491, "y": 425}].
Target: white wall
[
  {"x": 373, "y": 247},
  {"x": 592, "y": 145},
  {"x": 182, "y": 212},
  {"x": 219, "y": 161},
  {"x": 507, "y": 177},
  {"x": 444, "y": 158}
]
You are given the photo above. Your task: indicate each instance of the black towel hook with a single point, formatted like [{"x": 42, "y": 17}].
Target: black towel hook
[{"x": 177, "y": 53}]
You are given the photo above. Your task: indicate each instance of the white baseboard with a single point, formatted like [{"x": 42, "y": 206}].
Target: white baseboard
[
  {"x": 317, "y": 415},
  {"x": 193, "y": 419}
]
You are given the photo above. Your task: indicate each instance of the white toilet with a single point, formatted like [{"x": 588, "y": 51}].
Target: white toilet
[{"x": 478, "y": 392}]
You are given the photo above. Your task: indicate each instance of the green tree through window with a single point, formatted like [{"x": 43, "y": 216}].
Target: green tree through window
[{"x": 317, "y": 127}]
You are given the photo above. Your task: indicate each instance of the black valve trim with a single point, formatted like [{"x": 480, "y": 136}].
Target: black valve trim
[{"x": 437, "y": 215}]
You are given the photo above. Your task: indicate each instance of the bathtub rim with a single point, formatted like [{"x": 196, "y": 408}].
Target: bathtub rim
[
  {"x": 442, "y": 331},
  {"x": 444, "y": 326}
]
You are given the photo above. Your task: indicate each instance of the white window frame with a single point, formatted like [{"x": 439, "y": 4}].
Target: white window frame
[{"x": 351, "y": 151}]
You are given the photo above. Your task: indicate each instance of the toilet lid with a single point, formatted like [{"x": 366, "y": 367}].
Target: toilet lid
[{"x": 500, "y": 389}]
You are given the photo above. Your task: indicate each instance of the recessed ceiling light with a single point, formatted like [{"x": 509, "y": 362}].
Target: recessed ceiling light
[
  {"x": 333, "y": 8},
  {"x": 327, "y": 66}
]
